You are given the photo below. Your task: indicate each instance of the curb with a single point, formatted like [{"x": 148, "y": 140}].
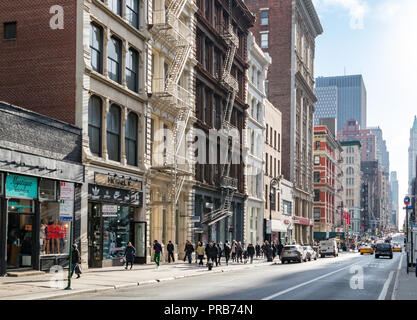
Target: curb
[{"x": 141, "y": 283}]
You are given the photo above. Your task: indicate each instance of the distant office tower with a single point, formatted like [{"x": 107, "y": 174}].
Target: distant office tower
[
  {"x": 326, "y": 105},
  {"x": 394, "y": 199},
  {"x": 412, "y": 154},
  {"x": 351, "y": 97},
  {"x": 382, "y": 154}
]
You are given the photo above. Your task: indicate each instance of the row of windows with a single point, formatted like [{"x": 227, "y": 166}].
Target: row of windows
[
  {"x": 270, "y": 172},
  {"x": 114, "y": 58},
  {"x": 113, "y": 132},
  {"x": 132, "y": 10},
  {"x": 273, "y": 141}
]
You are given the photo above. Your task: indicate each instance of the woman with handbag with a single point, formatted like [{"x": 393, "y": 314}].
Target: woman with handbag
[
  {"x": 75, "y": 261},
  {"x": 130, "y": 255}
]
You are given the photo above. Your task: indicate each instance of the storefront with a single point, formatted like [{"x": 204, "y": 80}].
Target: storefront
[
  {"x": 115, "y": 218},
  {"x": 36, "y": 237}
]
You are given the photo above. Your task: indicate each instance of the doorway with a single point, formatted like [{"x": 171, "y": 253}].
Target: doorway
[
  {"x": 95, "y": 252},
  {"x": 20, "y": 219},
  {"x": 138, "y": 234}
]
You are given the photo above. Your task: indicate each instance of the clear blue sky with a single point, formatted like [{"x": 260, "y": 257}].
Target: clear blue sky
[{"x": 376, "y": 38}]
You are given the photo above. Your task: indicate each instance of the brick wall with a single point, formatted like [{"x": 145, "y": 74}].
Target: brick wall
[
  {"x": 279, "y": 73},
  {"x": 37, "y": 70},
  {"x": 36, "y": 134}
]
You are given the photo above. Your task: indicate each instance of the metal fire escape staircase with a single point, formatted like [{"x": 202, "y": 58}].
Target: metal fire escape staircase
[
  {"x": 227, "y": 184},
  {"x": 168, "y": 95}
]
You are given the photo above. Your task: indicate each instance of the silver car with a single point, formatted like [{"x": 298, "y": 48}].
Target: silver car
[
  {"x": 293, "y": 253},
  {"x": 310, "y": 253}
]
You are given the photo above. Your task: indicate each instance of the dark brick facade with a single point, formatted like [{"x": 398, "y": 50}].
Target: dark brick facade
[
  {"x": 37, "y": 69},
  {"x": 36, "y": 134}
]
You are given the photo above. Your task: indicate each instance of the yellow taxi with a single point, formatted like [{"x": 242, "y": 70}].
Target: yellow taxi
[
  {"x": 397, "y": 248},
  {"x": 366, "y": 249}
]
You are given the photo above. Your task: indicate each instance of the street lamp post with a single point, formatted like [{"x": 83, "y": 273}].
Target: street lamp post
[{"x": 274, "y": 182}]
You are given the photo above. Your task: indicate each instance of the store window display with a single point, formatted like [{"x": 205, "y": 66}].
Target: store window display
[
  {"x": 54, "y": 234},
  {"x": 116, "y": 231}
]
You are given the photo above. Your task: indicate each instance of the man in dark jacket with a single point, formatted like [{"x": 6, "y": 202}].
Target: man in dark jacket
[
  {"x": 158, "y": 250},
  {"x": 258, "y": 250},
  {"x": 239, "y": 252},
  {"x": 251, "y": 252},
  {"x": 227, "y": 250},
  {"x": 280, "y": 247},
  {"x": 189, "y": 249},
  {"x": 211, "y": 251},
  {"x": 268, "y": 251},
  {"x": 219, "y": 254},
  {"x": 170, "y": 249},
  {"x": 130, "y": 255},
  {"x": 75, "y": 260}
]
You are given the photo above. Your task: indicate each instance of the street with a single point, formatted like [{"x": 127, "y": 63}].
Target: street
[{"x": 324, "y": 279}]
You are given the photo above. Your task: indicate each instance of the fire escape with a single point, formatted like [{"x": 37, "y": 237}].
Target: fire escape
[
  {"x": 227, "y": 184},
  {"x": 168, "y": 95}
]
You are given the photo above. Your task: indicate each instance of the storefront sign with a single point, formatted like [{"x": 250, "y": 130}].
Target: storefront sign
[
  {"x": 66, "y": 201},
  {"x": 21, "y": 186},
  {"x": 117, "y": 182},
  {"x": 301, "y": 220},
  {"x": 104, "y": 194},
  {"x": 109, "y": 210}
]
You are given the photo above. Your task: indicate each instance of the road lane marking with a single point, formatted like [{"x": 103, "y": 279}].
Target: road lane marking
[
  {"x": 306, "y": 283},
  {"x": 394, "y": 291},
  {"x": 384, "y": 291}
]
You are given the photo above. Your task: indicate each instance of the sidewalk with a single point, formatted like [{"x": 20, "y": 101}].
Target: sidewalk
[
  {"x": 407, "y": 285},
  {"x": 50, "y": 285}
]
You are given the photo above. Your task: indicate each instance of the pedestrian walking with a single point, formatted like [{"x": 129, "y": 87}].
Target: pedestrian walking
[
  {"x": 195, "y": 253},
  {"x": 211, "y": 252},
  {"x": 158, "y": 251},
  {"x": 239, "y": 252},
  {"x": 129, "y": 255},
  {"x": 274, "y": 250},
  {"x": 280, "y": 247},
  {"x": 251, "y": 252},
  {"x": 200, "y": 251},
  {"x": 227, "y": 250},
  {"x": 219, "y": 254},
  {"x": 170, "y": 249},
  {"x": 268, "y": 251},
  {"x": 263, "y": 248},
  {"x": 189, "y": 249},
  {"x": 75, "y": 261},
  {"x": 258, "y": 250},
  {"x": 234, "y": 250}
]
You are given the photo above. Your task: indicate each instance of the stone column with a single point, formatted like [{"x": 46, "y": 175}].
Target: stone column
[
  {"x": 125, "y": 49},
  {"x": 106, "y": 39}
]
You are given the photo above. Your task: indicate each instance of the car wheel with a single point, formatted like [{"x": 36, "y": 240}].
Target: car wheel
[
  {"x": 390, "y": 257},
  {"x": 322, "y": 256},
  {"x": 376, "y": 257},
  {"x": 315, "y": 258},
  {"x": 301, "y": 260},
  {"x": 361, "y": 253}
]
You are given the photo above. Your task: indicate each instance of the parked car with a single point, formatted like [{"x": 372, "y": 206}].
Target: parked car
[
  {"x": 366, "y": 249},
  {"x": 310, "y": 253},
  {"x": 383, "y": 249},
  {"x": 293, "y": 253},
  {"x": 328, "y": 248}
]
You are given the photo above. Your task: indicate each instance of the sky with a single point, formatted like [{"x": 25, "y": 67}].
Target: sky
[{"x": 376, "y": 38}]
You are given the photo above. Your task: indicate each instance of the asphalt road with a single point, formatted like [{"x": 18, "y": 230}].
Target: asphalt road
[{"x": 347, "y": 277}]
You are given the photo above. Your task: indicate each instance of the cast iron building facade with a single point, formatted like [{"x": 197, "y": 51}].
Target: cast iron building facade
[
  {"x": 351, "y": 97},
  {"x": 221, "y": 50},
  {"x": 287, "y": 31}
]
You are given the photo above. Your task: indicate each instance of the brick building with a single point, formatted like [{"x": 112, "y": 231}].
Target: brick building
[
  {"x": 327, "y": 185},
  {"x": 287, "y": 31},
  {"x": 221, "y": 50},
  {"x": 84, "y": 62}
]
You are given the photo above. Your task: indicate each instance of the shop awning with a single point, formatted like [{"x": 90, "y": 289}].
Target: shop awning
[{"x": 278, "y": 226}]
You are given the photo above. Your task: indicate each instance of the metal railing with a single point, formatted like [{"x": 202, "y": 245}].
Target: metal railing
[
  {"x": 161, "y": 86},
  {"x": 229, "y": 182},
  {"x": 173, "y": 27}
]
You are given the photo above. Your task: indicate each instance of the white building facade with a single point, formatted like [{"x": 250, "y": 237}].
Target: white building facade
[{"x": 254, "y": 141}]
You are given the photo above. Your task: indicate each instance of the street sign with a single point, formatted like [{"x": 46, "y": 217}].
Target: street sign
[
  {"x": 409, "y": 208},
  {"x": 66, "y": 201},
  {"x": 407, "y": 200}
]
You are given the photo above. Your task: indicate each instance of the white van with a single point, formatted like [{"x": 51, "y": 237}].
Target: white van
[{"x": 328, "y": 248}]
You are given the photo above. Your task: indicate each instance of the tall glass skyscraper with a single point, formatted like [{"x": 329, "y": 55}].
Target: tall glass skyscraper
[
  {"x": 351, "y": 98},
  {"x": 326, "y": 105}
]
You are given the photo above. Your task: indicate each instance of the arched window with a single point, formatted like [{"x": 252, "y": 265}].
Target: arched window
[
  {"x": 113, "y": 133},
  {"x": 131, "y": 139},
  {"x": 95, "y": 124}
]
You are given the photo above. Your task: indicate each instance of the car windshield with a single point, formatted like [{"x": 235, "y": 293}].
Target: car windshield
[
  {"x": 289, "y": 248},
  {"x": 383, "y": 246}
]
